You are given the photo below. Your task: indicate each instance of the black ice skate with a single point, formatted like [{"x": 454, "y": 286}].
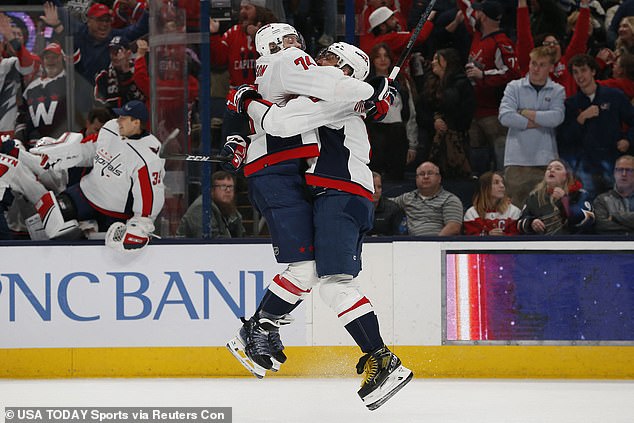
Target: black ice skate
[
  {"x": 275, "y": 342},
  {"x": 277, "y": 354},
  {"x": 384, "y": 377},
  {"x": 252, "y": 347}
]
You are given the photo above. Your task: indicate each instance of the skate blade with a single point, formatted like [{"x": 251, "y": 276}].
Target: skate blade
[
  {"x": 394, "y": 383},
  {"x": 276, "y": 365},
  {"x": 236, "y": 347}
]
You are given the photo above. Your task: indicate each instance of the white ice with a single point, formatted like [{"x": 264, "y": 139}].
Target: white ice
[{"x": 290, "y": 400}]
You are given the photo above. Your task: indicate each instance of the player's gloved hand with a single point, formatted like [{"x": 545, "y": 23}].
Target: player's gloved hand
[
  {"x": 377, "y": 106},
  {"x": 238, "y": 99},
  {"x": 61, "y": 153},
  {"x": 7, "y": 144},
  {"x": 235, "y": 150},
  {"x": 130, "y": 236}
]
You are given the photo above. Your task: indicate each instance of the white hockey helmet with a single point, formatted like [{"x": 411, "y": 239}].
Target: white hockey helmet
[
  {"x": 351, "y": 56},
  {"x": 269, "y": 38}
]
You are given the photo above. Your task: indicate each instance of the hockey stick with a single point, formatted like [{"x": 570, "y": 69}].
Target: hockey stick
[
  {"x": 171, "y": 137},
  {"x": 412, "y": 40},
  {"x": 198, "y": 158}
]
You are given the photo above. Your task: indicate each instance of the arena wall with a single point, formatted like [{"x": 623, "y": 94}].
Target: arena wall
[{"x": 88, "y": 311}]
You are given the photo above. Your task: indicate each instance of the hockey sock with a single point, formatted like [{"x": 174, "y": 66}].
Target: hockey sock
[
  {"x": 276, "y": 306},
  {"x": 365, "y": 332}
]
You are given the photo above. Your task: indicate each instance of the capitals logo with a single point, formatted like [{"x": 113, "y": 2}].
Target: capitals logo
[{"x": 109, "y": 164}]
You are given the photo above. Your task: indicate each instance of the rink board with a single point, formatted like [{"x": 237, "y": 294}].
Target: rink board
[{"x": 87, "y": 311}]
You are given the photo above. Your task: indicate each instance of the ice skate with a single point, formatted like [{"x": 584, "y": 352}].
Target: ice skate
[
  {"x": 384, "y": 377},
  {"x": 277, "y": 354},
  {"x": 255, "y": 347},
  {"x": 251, "y": 347}
]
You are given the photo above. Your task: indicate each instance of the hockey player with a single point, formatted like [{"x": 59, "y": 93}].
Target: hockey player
[
  {"x": 125, "y": 185},
  {"x": 342, "y": 214},
  {"x": 276, "y": 186}
]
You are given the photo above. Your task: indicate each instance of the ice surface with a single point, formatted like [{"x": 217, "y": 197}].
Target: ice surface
[{"x": 289, "y": 400}]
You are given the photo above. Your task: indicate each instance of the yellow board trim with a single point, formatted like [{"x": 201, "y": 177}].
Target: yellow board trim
[{"x": 578, "y": 362}]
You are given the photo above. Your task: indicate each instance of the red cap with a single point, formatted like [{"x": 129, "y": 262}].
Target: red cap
[
  {"x": 53, "y": 48},
  {"x": 98, "y": 10}
]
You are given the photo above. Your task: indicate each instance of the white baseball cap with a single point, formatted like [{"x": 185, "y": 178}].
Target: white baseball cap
[{"x": 379, "y": 16}]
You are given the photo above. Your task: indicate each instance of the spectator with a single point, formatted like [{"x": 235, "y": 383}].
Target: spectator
[
  {"x": 492, "y": 212},
  {"x": 492, "y": 64},
  {"x": 430, "y": 210},
  {"x": 625, "y": 9},
  {"x": 592, "y": 135},
  {"x": 15, "y": 63},
  {"x": 395, "y": 138},
  {"x": 371, "y": 5},
  {"x": 43, "y": 112},
  {"x": 622, "y": 75},
  {"x": 532, "y": 108},
  {"x": 385, "y": 28},
  {"x": 235, "y": 50},
  {"x": 92, "y": 39},
  {"x": 226, "y": 220},
  {"x": 614, "y": 209},
  {"x": 388, "y": 217},
  {"x": 448, "y": 104},
  {"x": 557, "y": 205},
  {"x": 547, "y": 17},
  {"x": 116, "y": 85},
  {"x": 97, "y": 117},
  {"x": 625, "y": 40},
  {"x": 554, "y": 42}
]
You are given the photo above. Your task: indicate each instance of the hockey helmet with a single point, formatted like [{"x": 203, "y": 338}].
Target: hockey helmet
[
  {"x": 353, "y": 57},
  {"x": 269, "y": 38}
]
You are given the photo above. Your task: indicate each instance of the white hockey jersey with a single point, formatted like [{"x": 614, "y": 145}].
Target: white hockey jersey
[
  {"x": 286, "y": 75},
  {"x": 125, "y": 172},
  {"x": 344, "y": 155}
]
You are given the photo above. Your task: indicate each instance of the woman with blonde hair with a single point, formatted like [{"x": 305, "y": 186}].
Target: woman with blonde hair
[
  {"x": 492, "y": 212},
  {"x": 625, "y": 40},
  {"x": 557, "y": 205}
]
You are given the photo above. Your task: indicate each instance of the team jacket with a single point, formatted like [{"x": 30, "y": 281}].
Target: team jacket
[
  {"x": 43, "y": 110},
  {"x": 91, "y": 56},
  {"x": 283, "y": 76},
  {"x": 127, "y": 174},
  {"x": 507, "y": 221},
  {"x": 114, "y": 88},
  {"x": 495, "y": 54},
  {"x": 236, "y": 50},
  {"x": 344, "y": 154},
  {"x": 12, "y": 69},
  {"x": 597, "y": 138},
  {"x": 569, "y": 215}
]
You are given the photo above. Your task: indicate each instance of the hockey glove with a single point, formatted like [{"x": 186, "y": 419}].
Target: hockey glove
[
  {"x": 235, "y": 150},
  {"x": 62, "y": 153},
  {"x": 238, "y": 99},
  {"x": 130, "y": 236},
  {"x": 377, "y": 106}
]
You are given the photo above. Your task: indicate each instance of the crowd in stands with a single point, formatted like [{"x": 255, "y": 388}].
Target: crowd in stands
[{"x": 511, "y": 116}]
